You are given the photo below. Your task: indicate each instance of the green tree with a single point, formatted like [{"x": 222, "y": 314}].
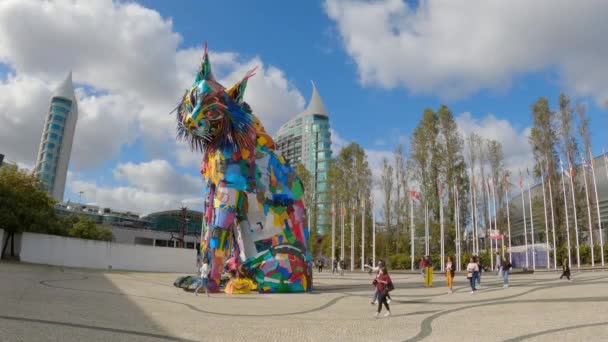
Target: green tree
[
  {"x": 452, "y": 167},
  {"x": 387, "y": 187},
  {"x": 85, "y": 228},
  {"x": 309, "y": 204},
  {"x": 350, "y": 183},
  {"x": 24, "y": 205}
]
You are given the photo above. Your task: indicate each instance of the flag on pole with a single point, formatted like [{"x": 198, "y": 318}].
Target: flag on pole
[
  {"x": 521, "y": 181},
  {"x": 561, "y": 166},
  {"x": 571, "y": 170}
]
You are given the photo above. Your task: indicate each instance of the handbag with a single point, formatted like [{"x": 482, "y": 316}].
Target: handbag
[
  {"x": 390, "y": 286},
  {"x": 470, "y": 275}
]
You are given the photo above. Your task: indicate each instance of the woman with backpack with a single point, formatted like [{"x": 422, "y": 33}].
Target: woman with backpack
[{"x": 383, "y": 285}]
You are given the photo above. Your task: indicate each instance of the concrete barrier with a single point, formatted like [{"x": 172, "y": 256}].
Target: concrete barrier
[{"x": 71, "y": 252}]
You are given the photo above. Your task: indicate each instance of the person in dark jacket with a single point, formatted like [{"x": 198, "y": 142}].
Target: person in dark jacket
[
  {"x": 505, "y": 268},
  {"x": 566, "y": 268},
  {"x": 450, "y": 268},
  {"x": 478, "y": 274}
]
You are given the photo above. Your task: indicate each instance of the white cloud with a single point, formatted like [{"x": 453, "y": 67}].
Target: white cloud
[
  {"x": 457, "y": 48},
  {"x": 379, "y": 142},
  {"x": 156, "y": 176},
  {"x": 98, "y": 118},
  {"x": 337, "y": 142},
  {"x": 132, "y": 199},
  {"x": 126, "y": 59},
  {"x": 110, "y": 45},
  {"x": 21, "y": 98},
  {"x": 150, "y": 186},
  {"x": 516, "y": 148}
]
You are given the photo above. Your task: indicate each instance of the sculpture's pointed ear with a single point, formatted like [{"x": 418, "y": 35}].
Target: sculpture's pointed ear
[
  {"x": 204, "y": 72},
  {"x": 237, "y": 91}
]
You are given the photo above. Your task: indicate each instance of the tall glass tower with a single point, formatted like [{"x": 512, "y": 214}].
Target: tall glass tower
[
  {"x": 56, "y": 141},
  {"x": 306, "y": 139}
]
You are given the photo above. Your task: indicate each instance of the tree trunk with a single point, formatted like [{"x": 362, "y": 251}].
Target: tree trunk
[{"x": 5, "y": 245}]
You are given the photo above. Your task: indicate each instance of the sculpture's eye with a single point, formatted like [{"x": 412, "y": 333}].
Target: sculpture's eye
[{"x": 193, "y": 97}]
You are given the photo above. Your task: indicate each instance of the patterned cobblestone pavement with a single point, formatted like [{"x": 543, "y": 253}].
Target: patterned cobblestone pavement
[{"x": 41, "y": 303}]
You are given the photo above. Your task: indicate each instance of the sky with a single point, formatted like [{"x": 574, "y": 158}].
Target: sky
[{"x": 376, "y": 64}]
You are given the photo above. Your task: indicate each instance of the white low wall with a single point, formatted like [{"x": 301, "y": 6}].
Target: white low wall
[{"x": 70, "y": 252}]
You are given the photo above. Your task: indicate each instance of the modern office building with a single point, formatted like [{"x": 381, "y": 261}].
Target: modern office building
[
  {"x": 306, "y": 139},
  {"x": 57, "y": 137}
]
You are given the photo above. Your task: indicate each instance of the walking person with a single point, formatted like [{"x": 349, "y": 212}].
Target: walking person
[
  {"x": 566, "y": 270},
  {"x": 479, "y": 270},
  {"x": 422, "y": 266},
  {"x": 449, "y": 274},
  {"x": 204, "y": 270},
  {"x": 334, "y": 268},
  {"x": 472, "y": 270},
  {"x": 377, "y": 270},
  {"x": 428, "y": 278},
  {"x": 498, "y": 263},
  {"x": 383, "y": 282},
  {"x": 341, "y": 267},
  {"x": 505, "y": 268}
]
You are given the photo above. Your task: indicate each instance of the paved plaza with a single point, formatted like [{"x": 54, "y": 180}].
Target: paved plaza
[{"x": 42, "y": 303}]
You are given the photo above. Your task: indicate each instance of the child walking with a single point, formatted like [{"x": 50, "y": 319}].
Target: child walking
[{"x": 204, "y": 278}]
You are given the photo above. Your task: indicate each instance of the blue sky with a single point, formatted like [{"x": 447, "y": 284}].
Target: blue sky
[{"x": 377, "y": 66}]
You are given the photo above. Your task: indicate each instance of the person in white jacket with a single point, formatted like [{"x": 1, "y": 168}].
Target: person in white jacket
[
  {"x": 472, "y": 272},
  {"x": 204, "y": 277}
]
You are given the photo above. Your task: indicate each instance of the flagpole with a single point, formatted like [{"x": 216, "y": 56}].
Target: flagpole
[
  {"x": 426, "y": 229},
  {"x": 442, "y": 240},
  {"x": 495, "y": 214},
  {"x": 566, "y": 211},
  {"x": 363, "y": 235},
  {"x": 472, "y": 215},
  {"x": 552, "y": 219},
  {"x": 508, "y": 219},
  {"x": 597, "y": 205},
  {"x": 542, "y": 178},
  {"x": 475, "y": 232},
  {"x": 487, "y": 186},
  {"x": 457, "y": 229},
  {"x": 578, "y": 251},
  {"x": 342, "y": 214},
  {"x": 531, "y": 224},
  {"x": 589, "y": 216},
  {"x": 352, "y": 238},
  {"x": 373, "y": 233},
  {"x": 523, "y": 208},
  {"x": 333, "y": 234},
  {"x": 412, "y": 244}
]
